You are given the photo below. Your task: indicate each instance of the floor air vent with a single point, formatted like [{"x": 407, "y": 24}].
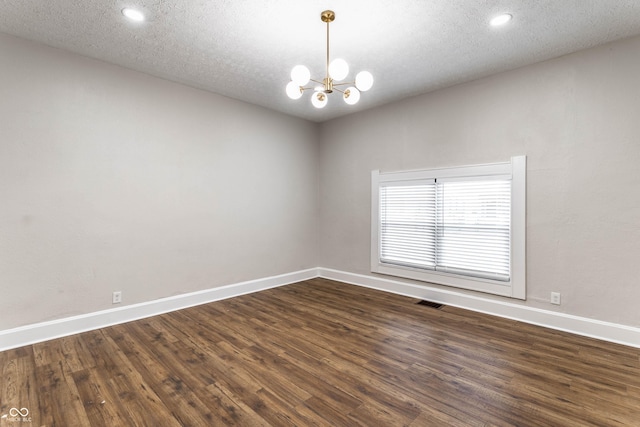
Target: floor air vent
[{"x": 430, "y": 304}]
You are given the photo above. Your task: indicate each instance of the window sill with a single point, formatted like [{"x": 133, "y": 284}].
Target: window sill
[{"x": 495, "y": 287}]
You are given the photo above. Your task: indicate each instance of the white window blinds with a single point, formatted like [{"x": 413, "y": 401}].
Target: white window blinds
[
  {"x": 459, "y": 226},
  {"x": 472, "y": 233},
  {"x": 408, "y": 225}
]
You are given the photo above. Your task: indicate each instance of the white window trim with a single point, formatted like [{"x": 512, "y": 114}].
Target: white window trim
[{"x": 516, "y": 170}]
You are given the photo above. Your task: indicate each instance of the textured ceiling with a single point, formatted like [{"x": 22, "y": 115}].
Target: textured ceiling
[{"x": 245, "y": 49}]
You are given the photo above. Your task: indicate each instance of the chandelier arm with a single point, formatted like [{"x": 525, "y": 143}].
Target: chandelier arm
[
  {"x": 313, "y": 87},
  {"x": 343, "y": 84},
  {"x": 338, "y": 90}
]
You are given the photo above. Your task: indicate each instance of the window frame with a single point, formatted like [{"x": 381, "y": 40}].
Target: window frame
[{"x": 515, "y": 170}]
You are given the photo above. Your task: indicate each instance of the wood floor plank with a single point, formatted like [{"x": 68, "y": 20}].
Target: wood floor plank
[
  {"x": 101, "y": 404},
  {"x": 60, "y": 401},
  {"x": 231, "y": 410},
  {"x": 125, "y": 384},
  {"x": 323, "y": 353},
  {"x": 20, "y": 386},
  {"x": 164, "y": 374}
]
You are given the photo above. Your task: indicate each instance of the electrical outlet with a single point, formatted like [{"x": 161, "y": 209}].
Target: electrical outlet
[
  {"x": 117, "y": 297},
  {"x": 555, "y": 298}
]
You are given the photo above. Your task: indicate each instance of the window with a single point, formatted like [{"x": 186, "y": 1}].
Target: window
[{"x": 462, "y": 227}]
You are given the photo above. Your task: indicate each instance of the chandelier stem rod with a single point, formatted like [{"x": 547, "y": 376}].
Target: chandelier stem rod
[{"x": 327, "y": 50}]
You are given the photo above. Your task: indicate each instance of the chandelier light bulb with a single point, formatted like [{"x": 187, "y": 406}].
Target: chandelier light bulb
[
  {"x": 338, "y": 69},
  {"x": 319, "y": 99},
  {"x": 293, "y": 90},
  {"x": 364, "y": 81},
  {"x": 132, "y": 14},
  {"x": 501, "y": 19},
  {"x": 300, "y": 75},
  {"x": 351, "y": 95}
]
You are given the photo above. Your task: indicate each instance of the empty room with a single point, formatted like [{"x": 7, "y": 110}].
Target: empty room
[{"x": 407, "y": 213}]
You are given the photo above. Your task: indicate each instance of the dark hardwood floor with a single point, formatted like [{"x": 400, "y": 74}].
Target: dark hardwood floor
[{"x": 321, "y": 353}]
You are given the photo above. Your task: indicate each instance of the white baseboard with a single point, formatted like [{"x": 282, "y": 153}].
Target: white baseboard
[
  {"x": 31, "y": 334},
  {"x": 606, "y": 331},
  {"x": 39, "y": 332}
]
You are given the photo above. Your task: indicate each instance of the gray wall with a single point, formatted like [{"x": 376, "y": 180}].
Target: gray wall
[
  {"x": 114, "y": 180},
  {"x": 576, "y": 118}
]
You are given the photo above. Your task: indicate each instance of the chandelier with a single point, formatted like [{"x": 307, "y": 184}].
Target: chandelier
[{"x": 336, "y": 72}]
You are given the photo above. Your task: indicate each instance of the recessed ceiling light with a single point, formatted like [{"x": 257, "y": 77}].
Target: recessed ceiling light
[
  {"x": 501, "y": 19},
  {"x": 134, "y": 15}
]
